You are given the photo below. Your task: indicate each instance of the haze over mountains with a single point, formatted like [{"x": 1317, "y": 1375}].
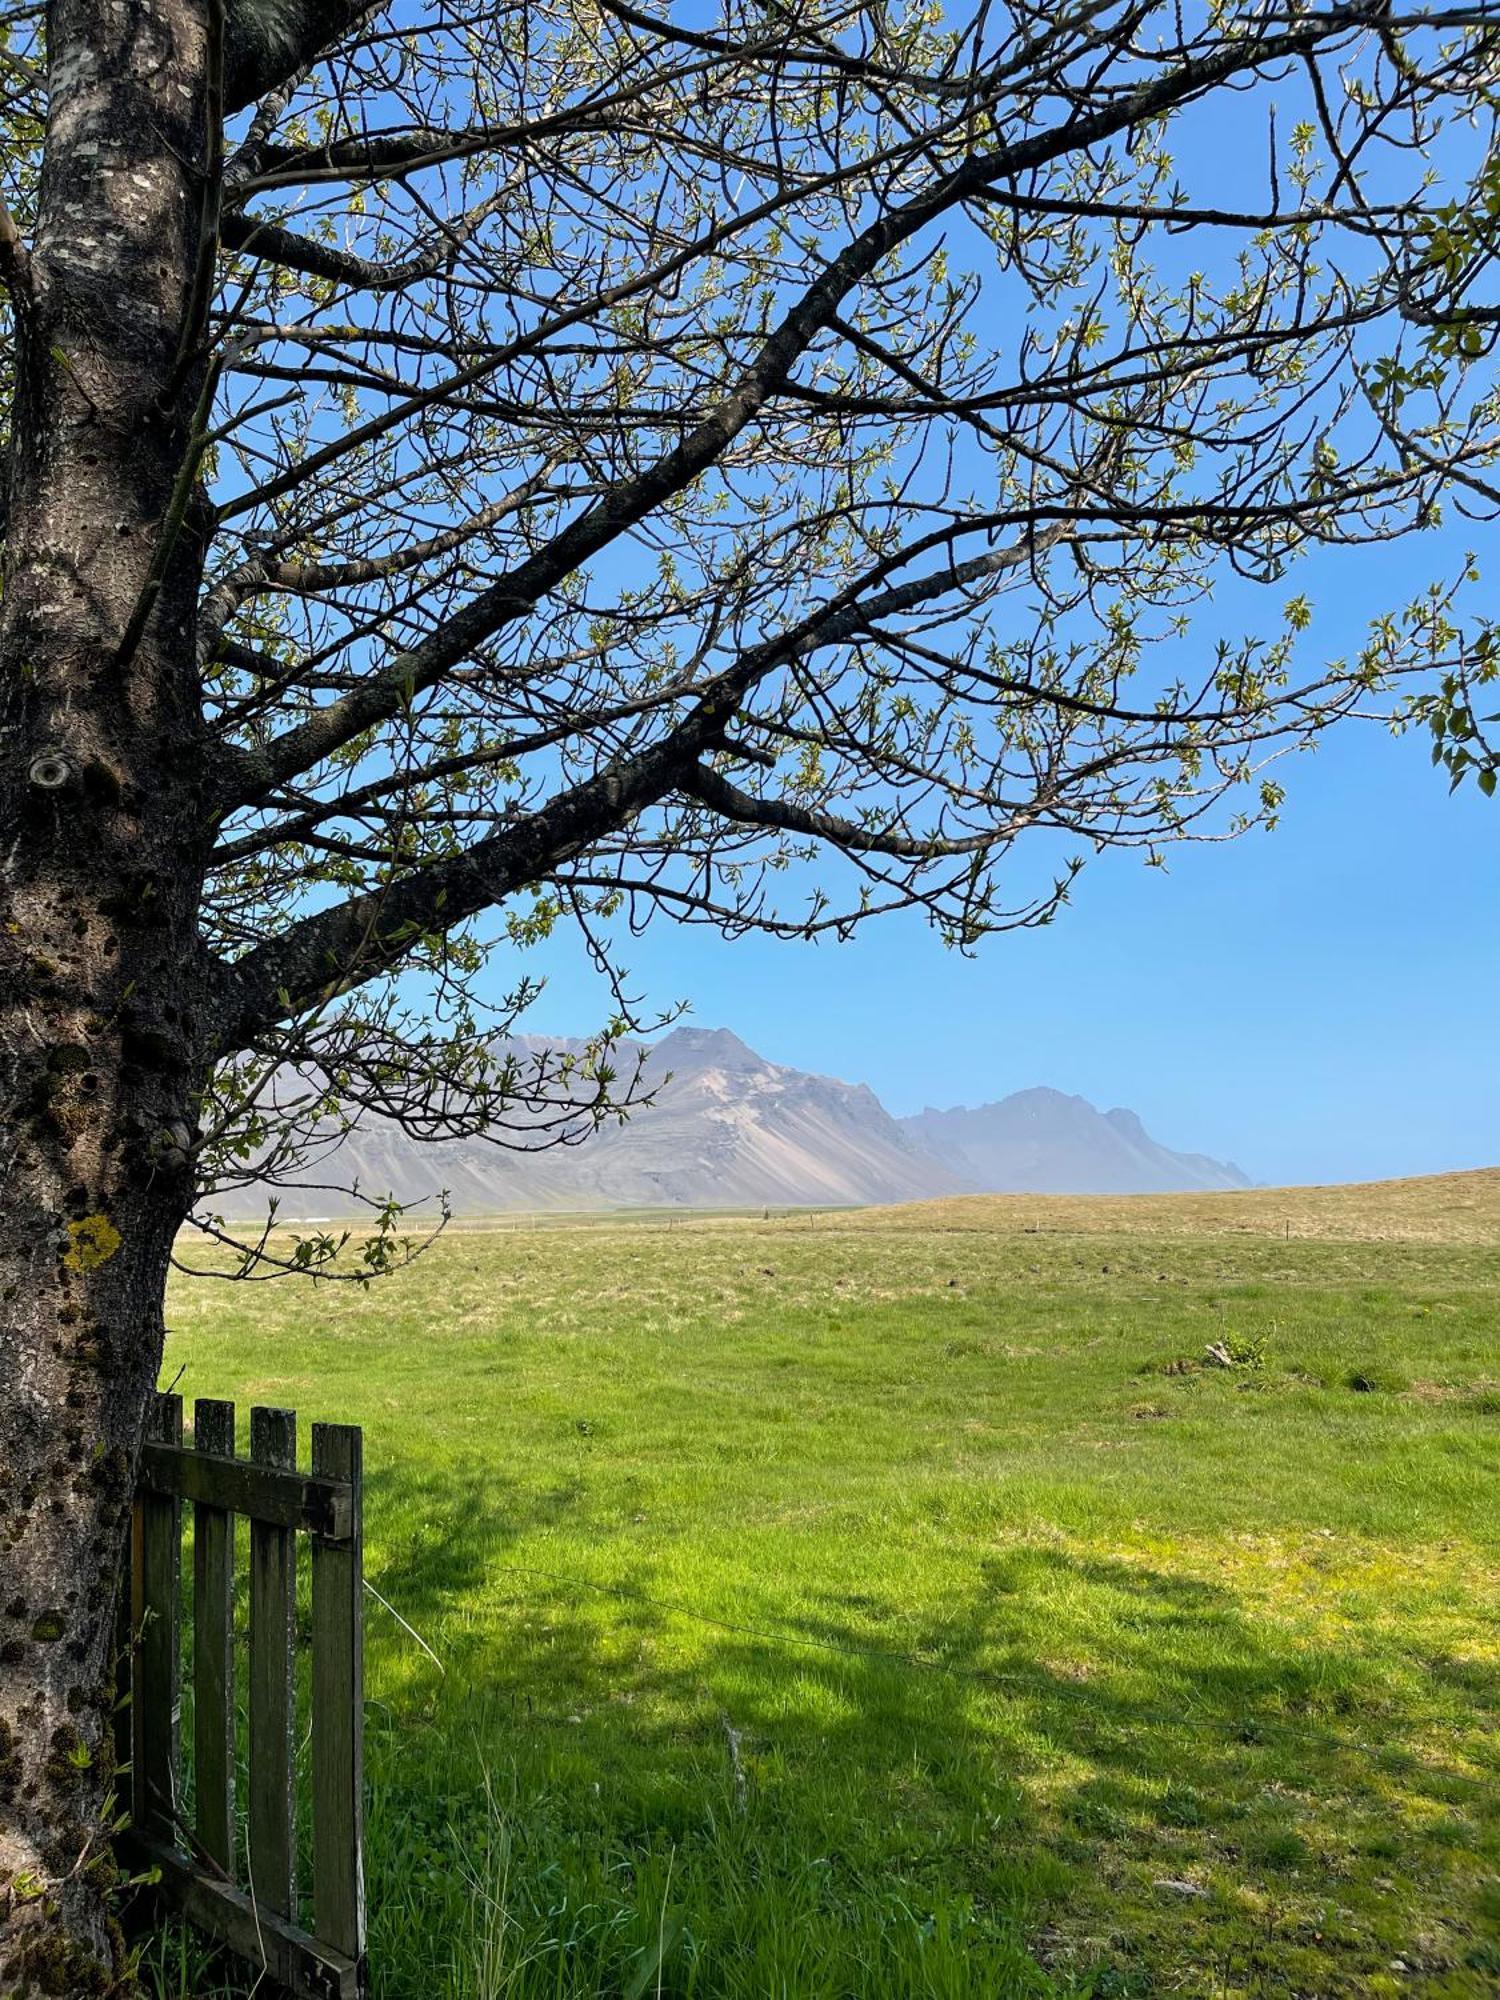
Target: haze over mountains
[
  {"x": 727, "y": 1129},
  {"x": 1043, "y": 1142}
]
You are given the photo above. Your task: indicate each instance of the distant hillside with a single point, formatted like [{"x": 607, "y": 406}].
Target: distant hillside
[
  {"x": 728, "y": 1129},
  {"x": 1434, "y": 1208},
  {"x": 725, "y": 1129},
  {"x": 1043, "y": 1142}
]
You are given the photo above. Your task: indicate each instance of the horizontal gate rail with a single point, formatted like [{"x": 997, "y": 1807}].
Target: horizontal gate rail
[
  {"x": 293, "y": 1958},
  {"x": 255, "y": 1911},
  {"x": 282, "y": 1498}
]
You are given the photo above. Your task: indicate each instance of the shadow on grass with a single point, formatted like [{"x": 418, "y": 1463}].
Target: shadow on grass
[
  {"x": 1084, "y": 1776},
  {"x": 1087, "y": 1776}
]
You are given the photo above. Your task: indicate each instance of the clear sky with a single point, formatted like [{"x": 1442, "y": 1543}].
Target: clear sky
[{"x": 1316, "y": 1003}]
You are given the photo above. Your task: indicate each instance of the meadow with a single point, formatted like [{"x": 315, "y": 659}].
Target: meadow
[{"x": 903, "y": 1603}]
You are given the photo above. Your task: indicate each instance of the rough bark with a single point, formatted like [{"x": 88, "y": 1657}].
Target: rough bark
[{"x": 102, "y": 986}]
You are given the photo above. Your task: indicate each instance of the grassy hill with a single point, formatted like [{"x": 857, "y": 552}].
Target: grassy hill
[
  {"x": 901, "y": 1603},
  {"x": 1437, "y": 1208}
]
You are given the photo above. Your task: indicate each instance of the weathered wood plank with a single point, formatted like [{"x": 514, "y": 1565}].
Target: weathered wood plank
[
  {"x": 338, "y": 1707},
  {"x": 273, "y": 1602},
  {"x": 281, "y": 1498},
  {"x": 290, "y": 1958},
  {"x": 213, "y": 1647},
  {"x": 157, "y": 1609}
]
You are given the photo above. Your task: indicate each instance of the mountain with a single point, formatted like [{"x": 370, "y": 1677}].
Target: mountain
[
  {"x": 727, "y": 1129},
  {"x": 1044, "y": 1142}
]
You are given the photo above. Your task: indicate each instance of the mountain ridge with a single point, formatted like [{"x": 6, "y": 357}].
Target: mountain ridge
[
  {"x": 727, "y": 1128},
  {"x": 1045, "y": 1141}
]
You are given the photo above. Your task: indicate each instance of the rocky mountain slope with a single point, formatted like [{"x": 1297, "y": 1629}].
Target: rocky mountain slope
[{"x": 727, "y": 1129}]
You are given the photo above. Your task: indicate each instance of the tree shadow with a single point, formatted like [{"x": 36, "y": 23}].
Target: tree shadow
[{"x": 1196, "y": 1773}]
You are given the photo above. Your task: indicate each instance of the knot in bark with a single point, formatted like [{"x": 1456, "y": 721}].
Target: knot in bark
[{"x": 51, "y": 770}]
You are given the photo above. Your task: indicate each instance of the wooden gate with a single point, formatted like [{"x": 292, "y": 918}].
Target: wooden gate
[{"x": 255, "y": 1911}]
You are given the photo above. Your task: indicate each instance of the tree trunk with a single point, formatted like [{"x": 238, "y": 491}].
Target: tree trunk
[
  {"x": 80, "y": 1342},
  {"x": 104, "y": 988}
]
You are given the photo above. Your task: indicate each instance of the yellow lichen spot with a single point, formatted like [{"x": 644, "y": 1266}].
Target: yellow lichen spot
[{"x": 91, "y": 1243}]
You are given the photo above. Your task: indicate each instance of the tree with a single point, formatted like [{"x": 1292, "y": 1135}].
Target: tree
[{"x": 473, "y": 469}]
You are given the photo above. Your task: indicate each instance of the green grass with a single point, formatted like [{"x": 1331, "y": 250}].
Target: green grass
[{"x": 837, "y": 1611}]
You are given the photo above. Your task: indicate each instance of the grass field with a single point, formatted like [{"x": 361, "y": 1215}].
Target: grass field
[{"x": 892, "y": 1604}]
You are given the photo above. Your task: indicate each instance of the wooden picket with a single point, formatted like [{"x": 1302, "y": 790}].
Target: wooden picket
[
  {"x": 273, "y": 1683},
  {"x": 197, "y": 1865},
  {"x": 213, "y": 1647},
  {"x": 338, "y": 1704}
]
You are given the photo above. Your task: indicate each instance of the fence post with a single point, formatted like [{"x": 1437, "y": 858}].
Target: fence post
[
  {"x": 213, "y": 1646},
  {"x": 338, "y": 1704},
  {"x": 273, "y": 1605},
  {"x": 156, "y": 1563}
]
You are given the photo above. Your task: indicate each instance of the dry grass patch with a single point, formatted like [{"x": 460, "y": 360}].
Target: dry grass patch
[{"x": 1438, "y": 1208}]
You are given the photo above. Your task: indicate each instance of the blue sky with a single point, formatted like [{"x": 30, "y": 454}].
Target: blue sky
[{"x": 1317, "y": 1003}]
